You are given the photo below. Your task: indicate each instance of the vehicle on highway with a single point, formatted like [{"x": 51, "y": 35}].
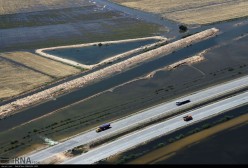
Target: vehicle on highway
[
  {"x": 188, "y": 118},
  {"x": 103, "y": 127},
  {"x": 182, "y": 102}
]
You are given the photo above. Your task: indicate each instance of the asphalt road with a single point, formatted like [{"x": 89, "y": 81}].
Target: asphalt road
[
  {"x": 140, "y": 117},
  {"x": 154, "y": 131}
]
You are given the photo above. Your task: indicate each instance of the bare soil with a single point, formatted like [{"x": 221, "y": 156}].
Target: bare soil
[{"x": 192, "y": 12}]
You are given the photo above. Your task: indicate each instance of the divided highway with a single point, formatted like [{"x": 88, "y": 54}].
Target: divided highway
[
  {"x": 157, "y": 130},
  {"x": 141, "y": 117}
]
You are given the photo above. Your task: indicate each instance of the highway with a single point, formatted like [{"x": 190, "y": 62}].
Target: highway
[
  {"x": 157, "y": 130},
  {"x": 140, "y": 117}
]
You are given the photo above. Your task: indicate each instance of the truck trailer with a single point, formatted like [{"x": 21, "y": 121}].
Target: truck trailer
[{"x": 103, "y": 127}]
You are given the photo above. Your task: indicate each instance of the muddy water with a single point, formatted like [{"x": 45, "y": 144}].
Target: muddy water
[
  {"x": 95, "y": 54},
  {"x": 163, "y": 155},
  {"x": 128, "y": 99},
  {"x": 156, "y": 19},
  {"x": 149, "y": 17},
  {"x": 227, "y": 147},
  {"x": 171, "y": 151},
  {"x": 65, "y": 100},
  {"x": 229, "y": 30}
]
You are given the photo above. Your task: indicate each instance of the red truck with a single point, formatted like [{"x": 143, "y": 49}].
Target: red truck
[
  {"x": 103, "y": 127},
  {"x": 188, "y": 118}
]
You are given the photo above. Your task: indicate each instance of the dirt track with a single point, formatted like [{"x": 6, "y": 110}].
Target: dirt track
[{"x": 73, "y": 63}]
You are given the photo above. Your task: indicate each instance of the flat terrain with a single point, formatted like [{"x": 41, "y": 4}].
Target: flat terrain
[
  {"x": 23, "y": 71},
  {"x": 142, "y": 117},
  {"x": 144, "y": 135},
  {"x": 132, "y": 97},
  {"x": 44, "y": 65},
  {"x": 105, "y": 72},
  {"x": 192, "y": 11},
  {"x": 93, "y": 55},
  {"x": 39, "y": 24},
  {"x": 169, "y": 145},
  {"x": 227, "y": 147},
  {"x": 16, "y": 79},
  {"x": 17, "y": 6}
]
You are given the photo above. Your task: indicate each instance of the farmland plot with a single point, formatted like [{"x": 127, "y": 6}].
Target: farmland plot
[
  {"x": 21, "y": 6},
  {"x": 32, "y": 24},
  {"x": 44, "y": 65},
  {"x": 16, "y": 79},
  {"x": 192, "y": 11}
]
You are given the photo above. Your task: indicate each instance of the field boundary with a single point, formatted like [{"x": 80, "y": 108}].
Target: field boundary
[{"x": 43, "y": 53}]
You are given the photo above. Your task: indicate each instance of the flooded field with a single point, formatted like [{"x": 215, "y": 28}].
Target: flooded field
[
  {"x": 66, "y": 24},
  {"x": 25, "y": 6},
  {"x": 227, "y": 147},
  {"x": 169, "y": 146},
  {"x": 63, "y": 25},
  {"x": 128, "y": 98},
  {"x": 95, "y": 54}
]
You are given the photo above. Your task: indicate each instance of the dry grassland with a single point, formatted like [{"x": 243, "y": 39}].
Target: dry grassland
[
  {"x": 192, "y": 11},
  {"x": 16, "y": 79},
  {"x": 19, "y": 6},
  {"x": 44, "y": 65}
]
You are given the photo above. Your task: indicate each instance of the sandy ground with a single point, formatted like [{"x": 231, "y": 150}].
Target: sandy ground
[
  {"x": 44, "y": 65},
  {"x": 191, "y": 11},
  {"x": 42, "y": 51},
  {"x": 56, "y": 159},
  {"x": 17, "y": 79},
  {"x": 188, "y": 61},
  {"x": 24, "y": 71},
  {"x": 10, "y": 108}
]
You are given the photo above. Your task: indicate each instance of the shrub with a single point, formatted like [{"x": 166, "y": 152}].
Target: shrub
[
  {"x": 183, "y": 28},
  {"x": 171, "y": 140},
  {"x": 179, "y": 136},
  {"x": 206, "y": 126},
  {"x": 159, "y": 145},
  {"x": 228, "y": 117}
]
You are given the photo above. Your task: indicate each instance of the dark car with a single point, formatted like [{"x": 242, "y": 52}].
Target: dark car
[{"x": 182, "y": 102}]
